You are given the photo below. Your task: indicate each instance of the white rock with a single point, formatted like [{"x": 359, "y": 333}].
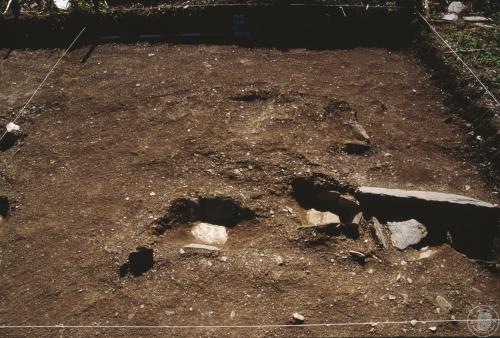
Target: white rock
[
  {"x": 11, "y": 126},
  {"x": 450, "y": 17},
  {"x": 319, "y": 218},
  {"x": 407, "y": 233},
  {"x": 426, "y": 254},
  {"x": 413, "y": 322},
  {"x": 456, "y": 7},
  {"x": 298, "y": 318},
  {"x": 62, "y": 4},
  {"x": 209, "y": 233},
  {"x": 433, "y": 328}
]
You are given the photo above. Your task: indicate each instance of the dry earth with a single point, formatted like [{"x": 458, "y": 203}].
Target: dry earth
[{"x": 114, "y": 138}]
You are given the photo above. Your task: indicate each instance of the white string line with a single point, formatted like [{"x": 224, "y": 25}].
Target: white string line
[
  {"x": 460, "y": 59},
  {"x": 44, "y": 80},
  {"x": 62, "y": 326}
]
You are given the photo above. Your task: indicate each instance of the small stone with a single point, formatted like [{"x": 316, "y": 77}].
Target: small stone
[
  {"x": 413, "y": 322},
  {"x": 456, "y": 7},
  {"x": 379, "y": 232},
  {"x": 433, "y": 328},
  {"x": 444, "y": 305},
  {"x": 358, "y": 217},
  {"x": 319, "y": 218},
  {"x": 359, "y": 132},
  {"x": 210, "y": 233},
  {"x": 298, "y": 318},
  {"x": 392, "y": 297},
  {"x": 279, "y": 260},
  {"x": 152, "y": 193},
  {"x": 426, "y": 253},
  {"x": 198, "y": 248},
  {"x": 476, "y": 19},
  {"x": 358, "y": 256},
  {"x": 407, "y": 233}
]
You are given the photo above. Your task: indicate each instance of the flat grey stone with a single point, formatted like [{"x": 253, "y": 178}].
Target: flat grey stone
[
  {"x": 428, "y": 196},
  {"x": 379, "y": 232},
  {"x": 407, "y": 233},
  {"x": 202, "y": 248}
]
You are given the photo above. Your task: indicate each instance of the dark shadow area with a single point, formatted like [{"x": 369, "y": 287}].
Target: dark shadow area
[
  {"x": 283, "y": 27},
  {"x": 138, "y": 263},
  {"x": 9, "y": 140},
  {"x": 321, "y": 193},
  {"x": 470, "y": 229},
  {"x": 4, "y": 207},
  {"x": 220, "y": 210}
]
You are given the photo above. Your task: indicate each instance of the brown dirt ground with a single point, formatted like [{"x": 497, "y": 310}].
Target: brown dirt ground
[{"x": 134, "y": 119}]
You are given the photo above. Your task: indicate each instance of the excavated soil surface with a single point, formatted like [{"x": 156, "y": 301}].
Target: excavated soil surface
[{"x": 119, "y": 134}]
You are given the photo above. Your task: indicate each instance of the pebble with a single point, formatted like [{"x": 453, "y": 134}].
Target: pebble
[
  {"x": 413, "y": 322},
  {"x": 318, "y": 218},
  {"x": 444, "y": 305},
  {"x": 358, "y": 256},
  {"x": 298, "y": 318},
  {"x": 433, "y": 328},
  {"x": 198, "y": 248}
]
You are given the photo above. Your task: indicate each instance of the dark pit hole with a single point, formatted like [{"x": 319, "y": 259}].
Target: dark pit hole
[
  {"x": 220, "y": 210},
  {"x": 321, "y": 192},
  {"x": 138, "y": 263},
  {"x": 337, "y": 107},
  {"x": 9, "y": 141},
  {"x": 318, "y": 191},
  {"x": 469, "y": 229},
  {"x": 254, "y": 95},
  {"x": 4, "y": 207}
]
